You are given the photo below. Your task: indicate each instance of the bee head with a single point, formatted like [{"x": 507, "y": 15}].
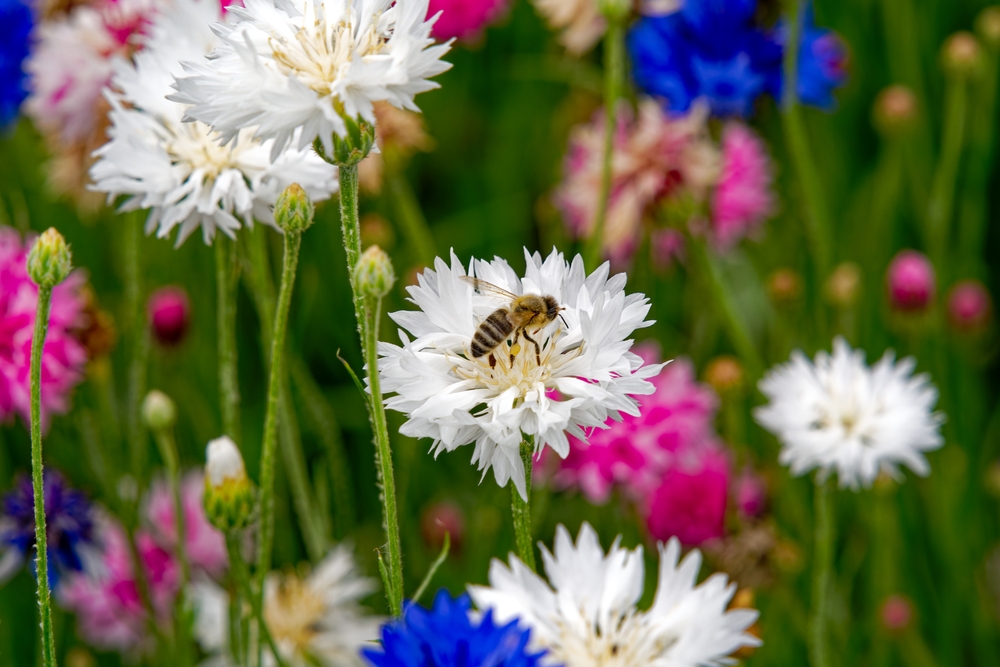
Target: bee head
[{"x": 552, "y": 308}]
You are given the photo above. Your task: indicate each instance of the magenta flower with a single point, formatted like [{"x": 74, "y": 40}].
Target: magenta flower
[
  {"x": 910, "y": 281},
  {"x": 969, "y": 306},
  {"x": 743, "y": 198},
  {"x": 204, "y": 545},
  {"x": 690, "y": 502},
  {"x": 169, "y": 311},
  {"x": 63, "y": 357},
  {"x": 464, "y": 19}
]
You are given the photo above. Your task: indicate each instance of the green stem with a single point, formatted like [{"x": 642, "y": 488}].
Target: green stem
[
  {"x": 822, "y": 574},
  {"x": 521, "y": 507},
  {"x": 942, "y": 197},
  {"x": 226, "y": 277},
  {"x": 38, "y": 477},
  {"x": 368, "y": 317},
  {"x": 411, "y": 217},
  {"x": 139, "y": 350},
  {"x": 982, "y": 148},
  {"x": 614, "y": 77},
  {"x": 239, "y": 569},
  {"x": 168, "y": 452},
  {"x": 817, "y": 216},
  {"x": 293, "y": 241}
]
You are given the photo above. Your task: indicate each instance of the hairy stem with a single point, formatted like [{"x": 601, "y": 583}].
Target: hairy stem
[
  {"x": 226, "y": 280},
  {"x": 521, "y": 507}
]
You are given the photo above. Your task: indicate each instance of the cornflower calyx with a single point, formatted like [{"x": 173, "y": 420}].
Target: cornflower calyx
[
  {"x": 294, "y": 210},
  {"x": 373, "y": 274},
  {"x": 49, "y": 261},
  {"x": 353, "y": 147}
]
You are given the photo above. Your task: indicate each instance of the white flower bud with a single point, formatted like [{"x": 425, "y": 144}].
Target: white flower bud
[{"x": 229, "y": 493}]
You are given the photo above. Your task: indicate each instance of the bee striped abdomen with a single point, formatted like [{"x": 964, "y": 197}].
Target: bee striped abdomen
[{"x": 493, "y": 331}]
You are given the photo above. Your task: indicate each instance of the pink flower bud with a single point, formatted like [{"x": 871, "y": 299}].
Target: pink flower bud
[
  {"x": 910, "y": 280},
  {"x": 896, "y": 613},
  {"x": 169, "y": 315},
  {"x": 440, "y": 518},
  {"x": 969, "y": 306}
]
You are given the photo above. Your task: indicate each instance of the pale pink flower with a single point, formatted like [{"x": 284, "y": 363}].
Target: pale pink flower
[
  {"x": 969, "y": 306},
  {"x": 579, "y": 22},
  {"x": 750, "y": 491},
  {"x": 105, "y": 598},
  {"x": 464, "y": 19},
  {"x": 204, "y": 545},
  {"x": 63, "y": 357},
  {"x": 656, "y": 157},
  {"x": 743, "y": 198},
  {"x": 690, "y": 501}
]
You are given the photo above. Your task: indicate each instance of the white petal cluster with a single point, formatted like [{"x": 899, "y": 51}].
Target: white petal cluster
[
  {"x": 586, "y": 614},
  {"x": 838, "y": 415},
  {"x": 291, "y": 64},
  {"x": 223, "y": 462},
  {"x": 587, "y": 373},
  {"x": 181, "y": 171}
]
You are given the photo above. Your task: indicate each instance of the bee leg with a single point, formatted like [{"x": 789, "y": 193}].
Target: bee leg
[
  {"x": 514, "y": 349},
  {"x": 538, "y": 350}
]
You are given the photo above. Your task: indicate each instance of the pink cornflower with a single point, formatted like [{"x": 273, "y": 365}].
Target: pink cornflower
[
  {"x": 655, "y": 158},
  {"x": 743, "y": 198},
  {"x": 911, "y": 282},
  {"x": 169, "y": 312},
  {"x": 969, "y": 306},
  {"x": 63, "y": 357},
  {"x": 106, "y": 600},
  {"x": 690, "y": 501},
  {"x": 464, "y": 19},
  {"x": 204, "y": 545}
]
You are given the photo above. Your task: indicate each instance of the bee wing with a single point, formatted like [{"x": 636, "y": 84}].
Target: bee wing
[{"x": 489, "y": 289}]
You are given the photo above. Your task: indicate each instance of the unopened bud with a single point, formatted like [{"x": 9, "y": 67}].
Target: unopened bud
[
  {"x": 895, "y": 111},
  {"x": 615, "y": 10},
  {"x": 50, "y": 261},
  {"x": 158, "y": 411},
  {"x": 294, "y": 210},
  {"x": 350, "y": 149},
  {"x": 988, "y": 26},
  {"x": 910, "y": 281},
  {"x": 725, "y": 374},
  {"x": 896, "y": 613},
  {"x": 169, "y": 315},
  {"x": 229, "y": 493},
  {"x": 374, "y": 275},
  {"x": 784, "y": 286},
  {"x": 961, "y": 55},
  {"x": 844, "y": 285},
  {"x": 969, "y": 307}
]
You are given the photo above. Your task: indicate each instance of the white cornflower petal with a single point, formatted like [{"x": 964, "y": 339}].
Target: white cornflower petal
[
  {"x": 587, "y": 373},
  {"x": 308, "y": 64},
  {"x": 586, "y": 614},
  {"x": 838, "y": 415},
  {"x": 180, "y": 171}
]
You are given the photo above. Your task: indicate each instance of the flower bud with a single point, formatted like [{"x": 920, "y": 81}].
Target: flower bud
[
  {"x": 988, "y": 26},
  {"x": 784, "y": 286},
  {"x": 441, "y": 518},
  {"x": 843, "y": 285},
  {"x": 896, "y": 613},
  {"x": 895, "y": 111},
  {"x": 351, "y": 149},
  {"x": 158, "y": 411},
  {"x": 374, "y": 275},
  {"x": 229, "y": 493},
  {"x": 294, "y": 210},
  {"x": 910, "y": 280},
  {"x": 49, "y": 261},
  {"x": 961, "y": 55},
  {"x": 725, "y": 374},
  {"x": 969, "y": 306},
  {"x": 169, "y": 315}
]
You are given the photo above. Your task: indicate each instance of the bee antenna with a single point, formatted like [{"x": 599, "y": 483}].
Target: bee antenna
[{"x": 563, "y": 318}]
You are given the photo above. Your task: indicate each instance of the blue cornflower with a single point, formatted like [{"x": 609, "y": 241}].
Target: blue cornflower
[
  {"x": 822, "y": 63},
  {"x": 69, "y": 526},
  {"x": 445, "y": 636},
  {"x": 16, "y": 21}
]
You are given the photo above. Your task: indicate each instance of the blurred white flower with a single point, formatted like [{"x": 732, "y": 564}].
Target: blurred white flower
[
  {"x": 180, "y": 171},
  {"x": 580, "y": 22},
  {"x": 587, "y": 372},
  {"x": 586, "y": 614},
  {"x": 837, "y": 414},
  {"x": 309, "y": 64},
  {"x": 314, "y": 621}
]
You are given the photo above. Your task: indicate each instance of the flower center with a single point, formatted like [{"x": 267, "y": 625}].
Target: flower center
[
  {"x": 293, "y": 613},
  {"x": 195, "y": 146},
  {"x": 630, "y": 643},
  {"x": 321, "y": 52}
]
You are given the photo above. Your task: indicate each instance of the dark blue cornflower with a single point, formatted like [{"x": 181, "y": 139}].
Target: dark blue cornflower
[
  {"x": 445, "y": 636},
  {"x": 822, "y": 63},
  {"x": 16, "y": 21},
  {"x": 69, "y": 523}
]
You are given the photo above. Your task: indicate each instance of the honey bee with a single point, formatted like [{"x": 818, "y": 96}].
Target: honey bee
[{"x": 528, "y": 311}]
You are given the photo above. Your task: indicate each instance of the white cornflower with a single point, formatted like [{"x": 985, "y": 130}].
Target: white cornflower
[
  {"x": 837, "y": 414},
  {"x": 310, "y": 64},
  {"x": 315, "y": 621},
  {"x": 181, "y": 171},
  {"x": 587, "y": 372},
  {"x": 586, "y": 615}
]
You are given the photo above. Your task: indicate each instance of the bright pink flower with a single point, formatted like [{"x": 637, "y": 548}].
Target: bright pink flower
[
  {"x": 690, "y": 502},
  {"x": 204, "y": 545},
  {"x": 63, "y": 357},
  {"x": 743, "y": 198},
  {"x": 464, "y": 19},
  {"x": 910, "y": 280},
  {"x": 169, "y": 315},
  {"x": 969, "y": 306},
  {"x": 106, "y": 599}
]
